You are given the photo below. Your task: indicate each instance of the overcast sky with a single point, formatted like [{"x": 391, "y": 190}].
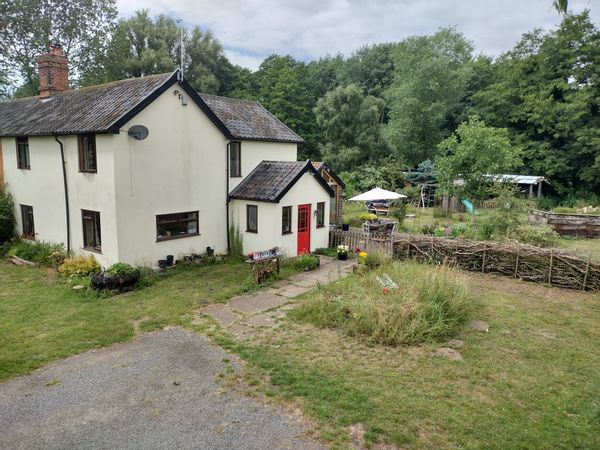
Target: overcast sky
[{"x": 307, "y": 29}]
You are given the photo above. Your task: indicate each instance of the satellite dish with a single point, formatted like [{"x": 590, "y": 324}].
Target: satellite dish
[{"x": 138, "y": 132}]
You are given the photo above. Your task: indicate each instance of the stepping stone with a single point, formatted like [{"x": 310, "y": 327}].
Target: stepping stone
[
  {"x": 251, "y": 304},
  {"x": 293, "y": 291},
  {"x": 240, "y": 331},
  {"x": 456, "y": 343},
  {"x": 306, "y": 282},
  {"x": 262, "y": 320},
  {"x": 78, "y": 287},
  {"x": 479, "y": 325},
  {"x": 449, "y": 353},
  {"x": 221, "y": 313}
]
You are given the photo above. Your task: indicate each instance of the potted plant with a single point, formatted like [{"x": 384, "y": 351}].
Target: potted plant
[
  {"x": 368, "y": 217},
  {"x": 342, "y": 252},
  {"x": 345, "y": 225}
]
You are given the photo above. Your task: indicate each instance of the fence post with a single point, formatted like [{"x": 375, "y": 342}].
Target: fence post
[
  {"x": 483, "y": 260},
  {"x": 550, "y": 270},
  {"x": 517, "y": 266},
  {"x": 587, "y": 270},
  {"x": 408, "y": 248}
]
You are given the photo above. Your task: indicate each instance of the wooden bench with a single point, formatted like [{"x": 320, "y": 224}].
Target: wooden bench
[{"x": 265, "y": 264}]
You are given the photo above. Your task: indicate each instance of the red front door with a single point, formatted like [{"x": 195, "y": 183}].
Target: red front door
[{"x": 303, "y": 229}]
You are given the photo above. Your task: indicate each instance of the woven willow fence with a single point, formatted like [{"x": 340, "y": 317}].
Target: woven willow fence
[{"x": 526, "y": 262}]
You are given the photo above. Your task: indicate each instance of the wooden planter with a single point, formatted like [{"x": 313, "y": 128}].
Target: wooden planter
[{"x": 567, "y": 224}]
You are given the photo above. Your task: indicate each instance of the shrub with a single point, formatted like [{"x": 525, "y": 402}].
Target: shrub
[
  {"x": 367, "y": 216},
  {"x": 398, "y": 211},
  {"x": 7, "y": 216},
  {"x": 79, "y": 266},
  {"x": 429, "y": 228},
  {"x": 541, "y": 236},
  {"x": 326, "y": 251},
  {"x": 306, "y": 262},
  {"x": 43, "y": 253},
  {"x": 374, "y": 260},
  {"x": 120, "y": 270},
  {"x": 430, "y": 304}
]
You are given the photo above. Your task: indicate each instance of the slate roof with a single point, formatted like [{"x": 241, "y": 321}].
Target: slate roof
[
  {"x": 246, "y": 119},
  {"x": 93, "y": 109},
  {"x": 271, "y": 180},
  {"x": 107, "y": 107}
]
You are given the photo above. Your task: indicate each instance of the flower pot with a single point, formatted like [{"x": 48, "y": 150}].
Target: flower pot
[
  {"x": 342, "y": 256},
  {"x": 169, "y": 260},
  {"x": 345, "y": 226},
  {"x": 163, "y": 263}
]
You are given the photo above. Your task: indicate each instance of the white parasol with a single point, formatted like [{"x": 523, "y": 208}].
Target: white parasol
[{"x": 377, "y": 194}]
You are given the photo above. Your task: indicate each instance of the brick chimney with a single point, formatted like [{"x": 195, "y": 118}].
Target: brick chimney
[{"x": 53, "y": 72}]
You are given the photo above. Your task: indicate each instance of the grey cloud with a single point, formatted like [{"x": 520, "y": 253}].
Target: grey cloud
[{"x": 251, "y": 30}]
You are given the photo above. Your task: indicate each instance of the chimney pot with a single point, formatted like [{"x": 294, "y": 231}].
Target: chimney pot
[{"x": 53, "y": 72}]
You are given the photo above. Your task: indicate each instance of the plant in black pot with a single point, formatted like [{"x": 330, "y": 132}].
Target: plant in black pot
[
  {"x": 170, "y": 259},
  {"x": 345, "y": 225},
  {"x": 119, "y": 277}
]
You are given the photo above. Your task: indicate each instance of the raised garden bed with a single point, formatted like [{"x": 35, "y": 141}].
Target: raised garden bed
[{"x": 567, "y": 224}]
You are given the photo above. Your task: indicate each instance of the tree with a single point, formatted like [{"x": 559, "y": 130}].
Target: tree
[
  {"x": 29, "y": 27},
  {"x": 371, "y": 67},
  {"x": 426, "y": 96},
  {"x": 470, "y": 154},
  {"x": 284, "y": 89},
  {"x": 546, "y": 92},
  {"x": 351, "y": 126}
]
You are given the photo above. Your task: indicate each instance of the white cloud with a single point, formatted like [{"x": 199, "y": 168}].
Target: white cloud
[{"x": 251, "y": 30}]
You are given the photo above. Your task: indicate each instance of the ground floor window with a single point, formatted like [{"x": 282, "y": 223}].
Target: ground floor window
[
  {"x": 286, "y": 220},
  {"x": 252, "y": 218},
  {"x": 27, "y": 221},
  {"x": 320, "y": 214},
  {"x": 92, "y": 237},
  {"x": 176, "y": 225}
]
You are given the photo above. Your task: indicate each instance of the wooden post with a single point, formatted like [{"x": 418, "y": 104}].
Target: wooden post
[
  {"x": 587, "y": 270},
  {"x": 483, "y": 259},
  {"x": 517, "y": 266},
  {"x": 408, "y": 248},
  {"x": 550, "y": 271}
]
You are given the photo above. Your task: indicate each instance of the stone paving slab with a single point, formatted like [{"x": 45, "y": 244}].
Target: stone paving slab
[
  {"x": 221, "y": 313},
  {"x": 251, "y": 304},
  {"x": 293, "y": 291}
]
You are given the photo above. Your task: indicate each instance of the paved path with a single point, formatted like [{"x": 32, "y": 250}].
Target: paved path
[
  {"x": 156, "y": 392},
  {"x": 245, "y": 314}
]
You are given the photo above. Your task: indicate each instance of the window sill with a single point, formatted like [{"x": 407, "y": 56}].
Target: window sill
[
  {"x": 93, "y": 250},
  {"x": 320, "y": 226},
  {"x": 180, "y": 236},
  {"x": 252, "y": 231},
  {"x": 88, "y": 171},
  {"x": 24, "y": 168},
  {"x": 285, "y": 233},
  {"x": 235, "y": 176}
]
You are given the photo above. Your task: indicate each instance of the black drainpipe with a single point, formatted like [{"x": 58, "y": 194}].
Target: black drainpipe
[
  {"x": 64, "y": 171},
  {"x": 227, "y": 193}
]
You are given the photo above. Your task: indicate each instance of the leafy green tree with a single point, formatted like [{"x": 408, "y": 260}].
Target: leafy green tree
[
  {"x": 7, "y": 216},
  {"x": 351, "y": 127},
  {"x": 371, "y": 67},
  {"x": 29, "y": 27},
  {"x": 284, "y": 90},
  {"x": 387, "y": 174},
  {"x": 546, "y": 92},
  {"x": 426, "y": 97},
  {"x": 471, "y": 153}
]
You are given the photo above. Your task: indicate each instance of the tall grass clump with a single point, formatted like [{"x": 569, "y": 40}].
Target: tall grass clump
[
  {"x": 429, "y": 304},
  {"x": 236, "y": 243}
]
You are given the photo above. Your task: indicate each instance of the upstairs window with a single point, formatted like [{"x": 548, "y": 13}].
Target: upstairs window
[
  {"x": 177, "y": 225},
  {"x": 252, "y": 218},
  {"x": 92, "y": 237},
  {"x": 235, "y": 159},
  {"x": 286, "y": 220},
  {"x": 27, "y": 222},
  {"x": 320, "y": 214},
  {"x": 23, "y": 153},
  {"x": 87, "y": 153}
]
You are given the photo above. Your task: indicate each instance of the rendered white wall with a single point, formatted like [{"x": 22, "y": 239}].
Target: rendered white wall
[
  {"x": 253, "y": 152},
  {"x": 307, "y": 190},
  {"x": 42, "y": 188},
  {"x": 180, "y": 167}
]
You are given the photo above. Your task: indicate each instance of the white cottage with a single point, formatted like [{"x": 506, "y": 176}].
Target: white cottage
[{"x": 83, "y": 172}]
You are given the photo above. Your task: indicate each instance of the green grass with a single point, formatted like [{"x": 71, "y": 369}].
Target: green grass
[
  {"x": 432, "y": 307},
  {"x": 582, "y": 246},
  {"x": 532, "y": 381},
  {"x": 42, "y": 319}
]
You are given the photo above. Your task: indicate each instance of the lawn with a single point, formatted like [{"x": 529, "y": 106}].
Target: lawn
[
  {"x": 42, "y": 319},
  {"x": 532, "y": 381}
]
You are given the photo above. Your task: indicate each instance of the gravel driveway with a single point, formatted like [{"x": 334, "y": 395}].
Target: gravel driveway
[{"x": 159, "y": 391}]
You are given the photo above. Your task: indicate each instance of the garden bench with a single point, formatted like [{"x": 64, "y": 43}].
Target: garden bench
[{"x": 264, "y": 264}]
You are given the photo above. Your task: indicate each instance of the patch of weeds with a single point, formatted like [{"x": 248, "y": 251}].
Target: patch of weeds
[
  {"x": 53, "y": 382},
  {"x": 152, "y": 325}
]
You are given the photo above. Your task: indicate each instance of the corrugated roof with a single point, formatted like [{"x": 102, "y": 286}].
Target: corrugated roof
[
  {"x": 518, "y": 179},
  {"x": 271, "y": 180},
  {"x": 92, "y": 109},
  {"x": 246, "y": 119}
]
